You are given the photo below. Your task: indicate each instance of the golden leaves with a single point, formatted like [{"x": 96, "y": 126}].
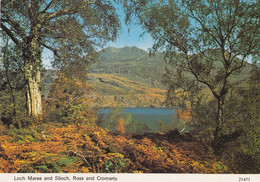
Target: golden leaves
[{"x": 82, "y": 148}]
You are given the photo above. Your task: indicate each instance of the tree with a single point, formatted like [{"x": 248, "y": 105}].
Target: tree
[
  {"x": 120, "y": 128},
  {"x": 210, "y": 41},
  {"x": 11, "y": 81},
  {"x": 68, "y": 101},
  {"x": 71, "y": 29},
  {"x": 111, "y": 121}
]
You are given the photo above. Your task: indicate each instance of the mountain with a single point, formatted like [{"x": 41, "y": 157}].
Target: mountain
[
  {"x": 122, "y": 54},
  {"x": 131, "y": 77},
  {"x": 132, "y": 63},
  {"x": 138, "y": 65},
  {"x": 128, "y": 76}
]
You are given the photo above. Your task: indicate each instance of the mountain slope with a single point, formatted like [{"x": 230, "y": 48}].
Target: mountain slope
[
  {"x": 132, "y": 63},
  {"x": 138, "y": 65},
  {"x": 110, "y": 90},
  {"x": 131, "y": 77}
]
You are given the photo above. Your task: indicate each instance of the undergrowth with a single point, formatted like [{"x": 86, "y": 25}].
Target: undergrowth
[{"x": 80, "y": 148}]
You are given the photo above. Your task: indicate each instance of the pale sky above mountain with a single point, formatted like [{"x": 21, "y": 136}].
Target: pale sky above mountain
[{"x": 132, "y": 37}]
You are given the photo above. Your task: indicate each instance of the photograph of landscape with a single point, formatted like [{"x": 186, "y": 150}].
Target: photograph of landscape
[{"x": 130, "y": 86}]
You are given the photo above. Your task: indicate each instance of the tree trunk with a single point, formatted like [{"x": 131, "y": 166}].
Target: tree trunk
[
  {"x": 218, "y": 142},
  {"x": 32, "y": 68},
  {"x": 33, "y": 91}
]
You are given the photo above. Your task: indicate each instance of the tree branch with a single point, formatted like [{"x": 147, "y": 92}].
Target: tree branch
[
  {"x": 11, "y": 35},
  {"x": 68, "y": 11},
  {"x": 19, "y": 30},
  {"x": 55, "y": 51},
  {"x": 63, "y": 12},
  {"x": 204, "y": 28},
  {"x": 47, "y": 7},
  {"x": 200, "y": 79},
  {"x": 247, "y": 52}
]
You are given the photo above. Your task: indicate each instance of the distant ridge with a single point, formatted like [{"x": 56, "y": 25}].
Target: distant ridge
[
  {"x": 127, "y": 74},
  {"x": 116, "y": 54},
  {"x": 132, "y": 63},
  {"x": 126, "y": 48}
]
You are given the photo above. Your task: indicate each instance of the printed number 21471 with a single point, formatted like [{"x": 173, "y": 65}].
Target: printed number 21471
[{"x": 244, "y": 179}]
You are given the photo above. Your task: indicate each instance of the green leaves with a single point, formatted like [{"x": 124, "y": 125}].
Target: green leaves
[{"x": 42, "y": 168}]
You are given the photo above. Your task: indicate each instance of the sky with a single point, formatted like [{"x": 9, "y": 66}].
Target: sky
[
  {"x": 125, "y": 38},
  {"x": 132, "y": 37}
]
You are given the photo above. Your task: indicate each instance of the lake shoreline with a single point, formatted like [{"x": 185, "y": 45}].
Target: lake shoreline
[{"x": 150, "y": 116}]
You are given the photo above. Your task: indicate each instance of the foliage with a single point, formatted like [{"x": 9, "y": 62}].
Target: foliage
[
  {"x": 120, "y": 126},
  {"x": 111, "y": 121},
  {"x": 180, "y": 121},
  {"x": 54, "y": 148},
  {"x": 210, "y": 40},
  {"x": 137, "y": 127},
  {"x": 243, "y": 153},
  {"x": 12, "y": 95},
  {"x": 129, "y": 126},
  {"x": 70, "y": 29},
  {"x": 68, "y": 101}
]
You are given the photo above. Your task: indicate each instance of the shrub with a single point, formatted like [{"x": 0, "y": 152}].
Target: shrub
[{"x": 68, "y": 101}]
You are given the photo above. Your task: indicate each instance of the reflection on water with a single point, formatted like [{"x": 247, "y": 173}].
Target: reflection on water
[{"x": 149, "y": 116}]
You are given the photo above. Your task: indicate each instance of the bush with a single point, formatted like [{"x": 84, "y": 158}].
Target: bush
[
  {"x": 68, "y": 101},
  {"x": 137, "y": 127}
]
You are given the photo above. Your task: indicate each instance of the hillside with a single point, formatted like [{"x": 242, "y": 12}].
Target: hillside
[
  {"x": 82, "y": 148},
  {"x": 132, "y": 63},
  {"x": 131, "y": 77},
  {"x": 110, "y": 90},
  {"x": 138, "y": 65}
]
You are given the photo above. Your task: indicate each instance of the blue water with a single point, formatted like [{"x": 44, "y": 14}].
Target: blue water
[
  {"x": 142, "y": 111},
  {"x": 149, "y": 116}
]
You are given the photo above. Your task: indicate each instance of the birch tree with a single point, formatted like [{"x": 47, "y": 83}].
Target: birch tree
[
  {"x": 209, "y": 40},
  {"x": 71, "y": 29}
]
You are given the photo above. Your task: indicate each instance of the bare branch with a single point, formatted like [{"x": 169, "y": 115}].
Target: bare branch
[
  {"x": 200, "y": 79},
  {"x": 47, "y": 7},
  {"x": 19, "y": 30},
  {"x": 11, "y": 35},
  {"x": 55, "y": 51},
  {"x": 204, "y": 28},
  {"x": 247, "y": 52}
]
